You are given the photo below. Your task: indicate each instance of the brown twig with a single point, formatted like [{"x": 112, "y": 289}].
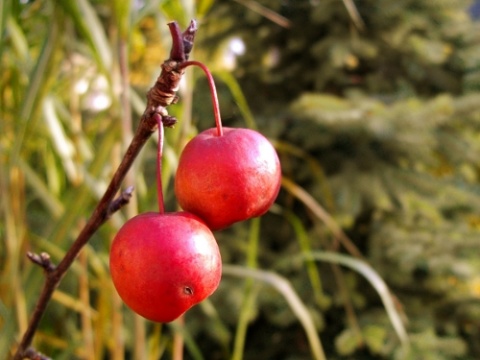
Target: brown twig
[
  {"x": 161, "y": 95},
  {"x": 120, "y": 201},
  {"x": 42, "y": 260},
  {"x": 35, "y": 355}
]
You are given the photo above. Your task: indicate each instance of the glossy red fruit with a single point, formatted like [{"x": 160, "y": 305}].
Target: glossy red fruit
[
  {"x": 228, "y": 178},
  {"x": 163, "y": 264}
]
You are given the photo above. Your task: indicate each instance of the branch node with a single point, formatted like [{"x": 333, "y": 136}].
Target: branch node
[
  {"x": 43, "y": 260},
  {"x": 188, "y": 37},
  {"x": 122, "y": 200},
  {"x": 164, "y": 91},
  {"x": 160, "y": 110},
  {"x": 177, "y": 52},
  {"x": 169, "y": 121},
  {"x": 33, "y": 354}
]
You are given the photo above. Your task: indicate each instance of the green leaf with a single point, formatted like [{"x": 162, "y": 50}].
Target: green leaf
[
  {"x": 62, "y": 144},
  {"x": 347, "y": 342},
  {"x": 19, "y": 41},
  {"x": 431, "y": 51},
  {"x": 239, "y": 97},
  {"x": 203, "y": 6},
  {"x": 321, "y": 298},
  {"x": 122, "y": 10},
  {"x": 51, "y": 202},
  {"x": 375, "y": 337},
  {"x": 88, "y": 24},
  {"x": 283, "y": 286},
  {"x": 248, "y": 307},
  {"x": 178, "y": 11},
  {"x": 375, "y": 280}
]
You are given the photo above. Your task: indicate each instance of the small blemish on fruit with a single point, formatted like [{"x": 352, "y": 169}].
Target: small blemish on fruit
[{"x": 187, "y": 290}]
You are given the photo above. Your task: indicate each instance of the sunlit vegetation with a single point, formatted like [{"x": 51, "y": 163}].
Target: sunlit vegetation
[{"x": 371, "y": 250}]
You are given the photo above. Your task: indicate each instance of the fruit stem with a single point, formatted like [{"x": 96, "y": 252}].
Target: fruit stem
[
  {"x": 213, "y": 92},
  {"x": 161, "y": 205}
]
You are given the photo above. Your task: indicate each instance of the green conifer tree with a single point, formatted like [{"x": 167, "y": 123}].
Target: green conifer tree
[{"x": 383, "y": 97}]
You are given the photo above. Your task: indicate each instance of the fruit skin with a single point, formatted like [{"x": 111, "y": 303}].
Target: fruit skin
[
  {"x": 163, "y": 264},
  {"x": 228, "y": 178}
]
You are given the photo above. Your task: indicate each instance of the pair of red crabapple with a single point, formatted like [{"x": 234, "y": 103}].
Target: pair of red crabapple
[{"x": 164, "y": 263}]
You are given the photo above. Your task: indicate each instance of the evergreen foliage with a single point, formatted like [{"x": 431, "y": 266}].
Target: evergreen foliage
[
  {"x": 389, "y": 114},
  {"x": 403, "y": 47}
]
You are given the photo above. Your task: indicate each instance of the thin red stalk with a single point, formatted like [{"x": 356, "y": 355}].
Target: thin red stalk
[
  {"x": 213, "y": 92},
  {"x": 161, "y": 204}
]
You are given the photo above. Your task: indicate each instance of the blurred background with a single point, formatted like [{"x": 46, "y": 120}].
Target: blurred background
[{"x": 374, "y": 109}]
